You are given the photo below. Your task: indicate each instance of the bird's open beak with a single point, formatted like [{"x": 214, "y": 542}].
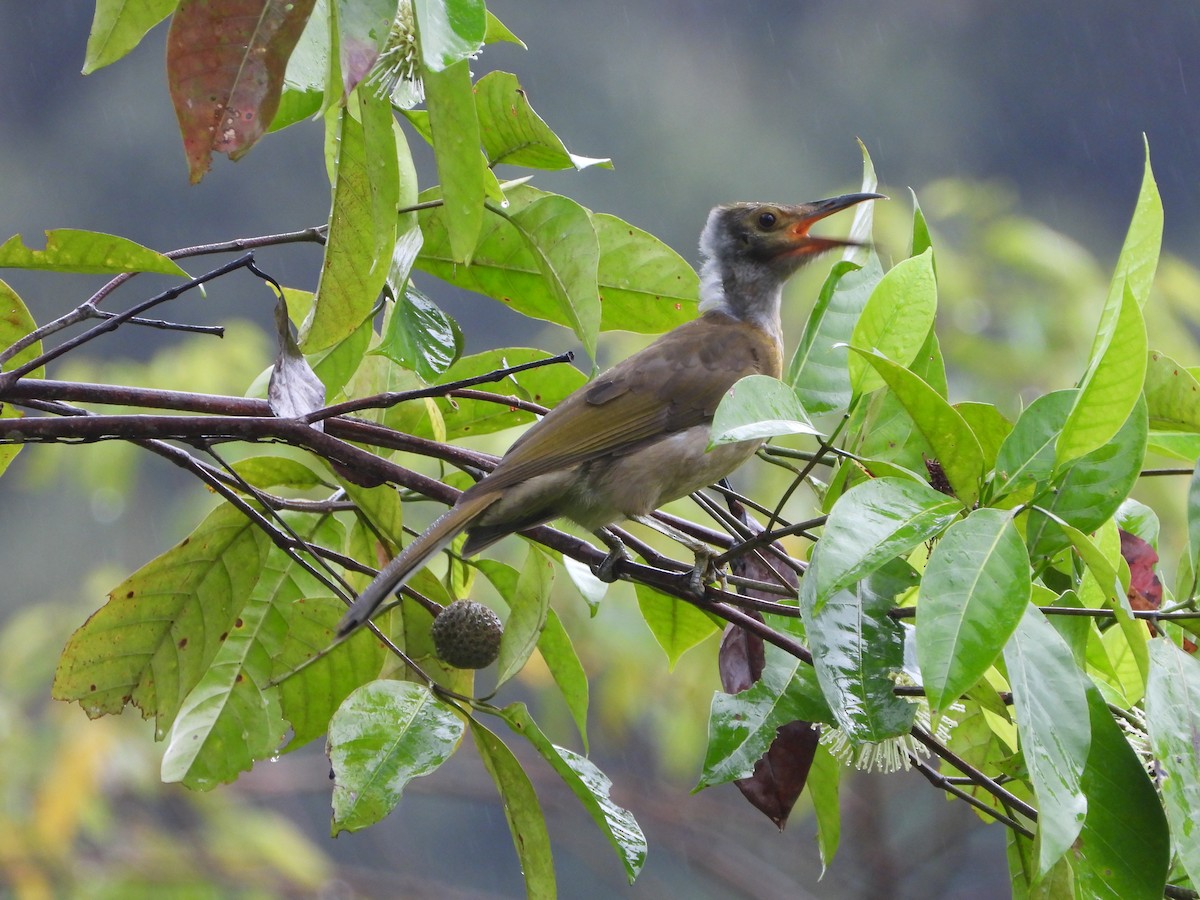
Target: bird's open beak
[{"x": 808, "y": 214}]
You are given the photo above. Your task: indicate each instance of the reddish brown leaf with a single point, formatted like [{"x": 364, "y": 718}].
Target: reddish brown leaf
[
  {"x": 1145, "y": 588},
  {"x": 225, "y": 65},
  {"x": 779, "y": 777}
]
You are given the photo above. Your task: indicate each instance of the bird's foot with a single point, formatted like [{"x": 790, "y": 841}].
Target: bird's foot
[
  {"x": 606, "y": 570},
  {"x": 705, "y": 570}
]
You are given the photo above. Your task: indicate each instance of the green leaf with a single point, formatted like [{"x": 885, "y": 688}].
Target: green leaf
[
  {"x": 951, "y": 438},
  {"x": 362, "y": 224},
  {"x": 973, "y": 593},
  {"x": 1111, "y": 387},
  {"x": 742, "y": 726},
  {"x": 592, "y": 788},
  {"x": 858, "y": 648},
  {"x": 646, "y": 286},
  {"x": 1172, "y": 395},
  {"x": 1173, "y": 723},
  {"x": 989, "y": 426},
  {"x": 513, "y": 134},
  {"x": 451, "y": 30},
  {"x": 380, "y": 506},
  {"x": 498, "y": 32},
  {"x": 161, "y": 628},
  {"x": 896, "y": 319},
  {"x": 1054, "y": 728},
  {"x": 311, "y": 688},
  {"x": 824, "y": 777},
  {"x": 89, "y": 252},
  {"x": 921, "y": 239},
  {"x": 421, "y": 337},
  {"x": 278, "y": 471},
  {"x": 873, "y": 523},
  {"x": 1123, "y": 851},
  {"x": 1026, "y": 456},
  {"x": 383, "y": 736},
  {"x": 1193, "y": 520},
  {"x": 1139, "y": 254},
  {"x": 526, "y": 821},
  {"x": 1091, "y": 489},
  {"x": 677, "y": 626},
  {"x": 559, "y": 232},
  {"x": 568, "y": 673},
  {"x": 232, "y": 716},
  {"x": 819, "y": 369},
  {"x": 756, "y": 407},
  {"x": 462, "y": 170},
  {"x": 528, "y": 606},
  {"x": 118, "y": 26},
  {"x": 15, "y": 323}
]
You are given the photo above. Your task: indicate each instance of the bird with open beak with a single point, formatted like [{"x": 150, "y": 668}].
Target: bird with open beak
[{"x": 636, "y": 437}]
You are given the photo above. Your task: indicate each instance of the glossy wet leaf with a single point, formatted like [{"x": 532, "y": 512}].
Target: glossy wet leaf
[
  {"x": 742, "y": 726},
  {"x": 954, "y": 444},
  {"x": 1026, "y": 456},
  {"x": 590, "y": 786},
  {"x": 973, "y": 593},
  {"x": 896, "y": 319},
  {"x": 873, "y": 523},
  {"x": 568, "y": 673},
  {"x": 225, "y": 65},
  {"x": 421, "y": 337},
  {"x": 88, "y": 252},
  {"x": 1054, "y": 727},
  {"x": 526, "y": 821},
  {"x": 383, "y": 736},
  {"x": 1173, "y": 723},
  {"x": 757, "y": 407},
  {"x": 858, "y": 648},
  {"x": 161, "y": 628},
  {"x": 451, "y": 30}
]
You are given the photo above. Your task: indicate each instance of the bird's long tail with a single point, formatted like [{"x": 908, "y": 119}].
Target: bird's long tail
[{"x": 423, "y": 548}]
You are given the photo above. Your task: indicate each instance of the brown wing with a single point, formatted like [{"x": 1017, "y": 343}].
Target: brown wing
[{"x": 673, "y": 384}]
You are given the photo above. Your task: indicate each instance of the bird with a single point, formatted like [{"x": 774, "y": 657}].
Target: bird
[{"x": 636, "y": 436}]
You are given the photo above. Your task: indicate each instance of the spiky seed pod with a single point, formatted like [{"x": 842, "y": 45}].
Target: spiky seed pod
[{"x": 467, "y": 635}]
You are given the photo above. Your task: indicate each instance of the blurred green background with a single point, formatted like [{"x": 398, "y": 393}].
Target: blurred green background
[{"x": 1020, "y": 128}]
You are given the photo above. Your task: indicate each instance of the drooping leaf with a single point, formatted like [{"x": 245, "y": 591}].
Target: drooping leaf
[
  {"x": 363, "y": 27},
  {"x": 362, "y": 224},
  {"x": 824, "y": 781},
  {"x": 896, "y": 319},
  {"x": 294, "y": 389},
  {"x": 118, "y": 26},
  {"x": 873, "y": 523},
  {"x": 383, "y": 736},
  {"x": 1173, "y": 722},
  {"x": 528, "y": 604},
  {"x": 1110, "y": 388},
  {"x": 1055, "y": 730},
  {"x": 858, "y": 648},
  {"x": 956, "y": 448},
  {"x": 89, "y": 252},
  {"x": 225, "y": 65},
  {"x": 462, "y": 170},
  {"x": 743, "y": 726},
  {"x": 513, "y": 134},
  {"x": 526, "y": 821},
  {"x": 568, "y": 673},
  {"x": 757, "y": 407},
  {"x": 1123, "y": 851},
  {"x": 677, "y": 626},
  {"x": 974, "y": 592},
  {"x": 162, "y": 627},
  {"x": 592, "y": 788}
]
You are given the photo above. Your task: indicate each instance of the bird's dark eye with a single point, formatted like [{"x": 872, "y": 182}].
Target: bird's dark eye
[{"x": 767, "y": 220}]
